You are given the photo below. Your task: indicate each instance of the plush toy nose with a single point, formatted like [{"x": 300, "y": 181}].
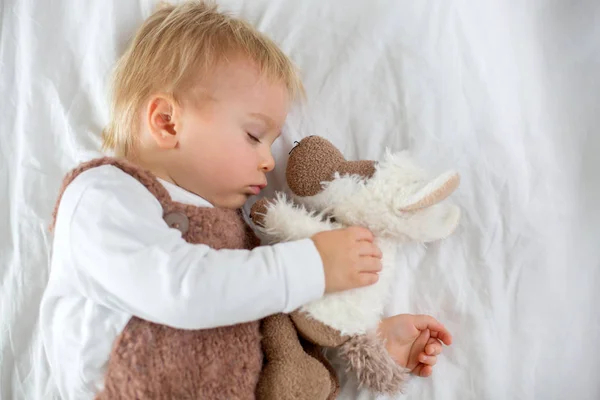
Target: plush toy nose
[{"x": 364, "y": 168}]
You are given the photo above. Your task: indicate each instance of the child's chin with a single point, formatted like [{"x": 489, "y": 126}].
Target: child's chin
[{"x": 233, "y": 202}]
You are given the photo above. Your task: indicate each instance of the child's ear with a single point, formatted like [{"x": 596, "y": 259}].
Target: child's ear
[{"x": 162, "y": 119}]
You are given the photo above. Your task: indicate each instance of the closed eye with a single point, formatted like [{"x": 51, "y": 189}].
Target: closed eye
[{"x": 253, "y": 138}]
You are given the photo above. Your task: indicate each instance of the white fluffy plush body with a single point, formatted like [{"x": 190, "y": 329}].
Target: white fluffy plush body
[
  {"x": 358, "y": 311},
  {"x": 398, "y": 203}
]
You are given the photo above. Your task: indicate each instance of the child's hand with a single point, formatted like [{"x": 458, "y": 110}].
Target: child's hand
[
  {"x": 414, "y": 341},
  {"x": 350, "y": 258}
]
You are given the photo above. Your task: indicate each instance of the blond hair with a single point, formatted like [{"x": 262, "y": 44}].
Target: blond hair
[{"x": 175, "y": 46}]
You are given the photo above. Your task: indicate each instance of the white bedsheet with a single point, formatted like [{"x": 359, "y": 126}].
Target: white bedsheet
[{"x": 506, "y": 92}]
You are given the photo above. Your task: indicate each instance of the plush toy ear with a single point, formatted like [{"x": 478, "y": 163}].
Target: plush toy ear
[
  {"x": 435, "y": 223},
  {"x": 433, "y": 192}
]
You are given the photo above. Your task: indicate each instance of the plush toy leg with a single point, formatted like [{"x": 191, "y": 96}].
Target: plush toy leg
[
  {"x": 317, "y": 352},
  {"x": 289, "y": 372},
  {"x": 316, "y": 331},
  {"x": 365, "y": 355},
  {"x": 372, "y": 365}
]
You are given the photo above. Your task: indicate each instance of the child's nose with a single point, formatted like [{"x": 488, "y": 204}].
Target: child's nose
[{"x": 268, "y": 163}]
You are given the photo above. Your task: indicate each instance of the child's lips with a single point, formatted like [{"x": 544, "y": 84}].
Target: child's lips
[{"x": 255, "y": 189}]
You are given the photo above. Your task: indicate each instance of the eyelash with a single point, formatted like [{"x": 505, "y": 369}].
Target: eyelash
[{"x": 253, "y": 138}]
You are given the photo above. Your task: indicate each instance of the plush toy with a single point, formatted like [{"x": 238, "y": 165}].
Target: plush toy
[{"x": 398, "y": 202}]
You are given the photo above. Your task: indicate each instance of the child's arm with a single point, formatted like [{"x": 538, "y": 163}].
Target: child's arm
[{"x": 124, "y": 256}]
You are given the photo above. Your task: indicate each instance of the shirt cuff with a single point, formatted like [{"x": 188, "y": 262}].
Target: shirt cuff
[{"x": 304, "y": 275}]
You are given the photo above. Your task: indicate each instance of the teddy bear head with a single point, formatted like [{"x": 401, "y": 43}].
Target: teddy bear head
[{"x": 393, "y": 197}]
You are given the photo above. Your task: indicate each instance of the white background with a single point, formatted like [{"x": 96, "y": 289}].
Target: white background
[{"x": 507, "y": 92}]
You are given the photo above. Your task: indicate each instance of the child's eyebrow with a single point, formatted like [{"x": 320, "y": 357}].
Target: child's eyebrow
[{"x": 266, "y": 119}]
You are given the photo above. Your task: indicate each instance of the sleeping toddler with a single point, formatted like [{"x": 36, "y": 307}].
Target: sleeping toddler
[{"x": 150, "y": 245}]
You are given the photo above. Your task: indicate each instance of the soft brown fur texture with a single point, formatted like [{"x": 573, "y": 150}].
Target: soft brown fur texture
[
  {"x": 317, "y": 332},
  {"x": 364, "y": 351},
  {"x": 151, "y": 361},
  {"x": 305, "y": 178},
  {"x": 293, "y": 371},
  {"x": 258, "y": 211}
]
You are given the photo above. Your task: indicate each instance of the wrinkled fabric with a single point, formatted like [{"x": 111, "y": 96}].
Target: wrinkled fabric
[{"x": 505, "y": 92}]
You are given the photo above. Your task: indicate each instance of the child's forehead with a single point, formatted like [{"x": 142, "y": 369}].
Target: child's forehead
[
  {"x": 240, "y": 79},
  {"x": 239, "y": 73}
]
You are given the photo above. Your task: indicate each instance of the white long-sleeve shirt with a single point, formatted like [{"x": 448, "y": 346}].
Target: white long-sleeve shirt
[{"x": 114, "y": 257}]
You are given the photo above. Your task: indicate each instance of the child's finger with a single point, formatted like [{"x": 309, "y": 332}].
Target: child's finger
[
  {"x": 417, "y": 347},
  {"x": 443, "y": 335},
  {"x": 417, "y": 370},
  {"x": 427, "y": 360},
  {"x": 433, "y": 348},
  {"x": 367, "y": 249},
  {"x": 423, "y": 371},
  {"x": 437, "y": 329},
  {"x": 360, "y": 233},
  {"x": 426, "y": 371}
]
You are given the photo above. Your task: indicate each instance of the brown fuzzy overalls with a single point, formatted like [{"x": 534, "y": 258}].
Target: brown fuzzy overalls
[{"x": 151, "y": 361}]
